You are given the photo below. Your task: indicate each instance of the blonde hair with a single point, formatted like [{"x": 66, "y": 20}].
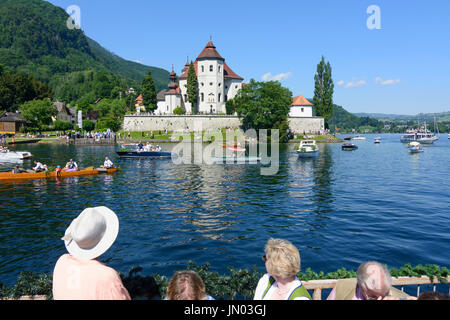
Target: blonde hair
[
  {"x": 283, "y": 258},
  {"x": 186, "y": 285},
  {"x": 373, "y": 275}
]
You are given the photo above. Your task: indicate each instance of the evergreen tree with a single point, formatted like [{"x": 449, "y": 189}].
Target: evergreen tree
[
  {"x": 149, "y": 93},
  {"x": 323, "y": 92},
  {"x": 192, "y": 87}
]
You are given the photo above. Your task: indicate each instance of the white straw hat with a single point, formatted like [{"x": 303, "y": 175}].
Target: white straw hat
[{"x": 92, "y": 233}]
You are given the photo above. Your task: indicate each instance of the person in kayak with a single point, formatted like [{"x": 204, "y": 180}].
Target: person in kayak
[{"x": 71, "y": 166}]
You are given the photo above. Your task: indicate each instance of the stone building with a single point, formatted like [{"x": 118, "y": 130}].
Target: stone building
[{"x": 216, "y": 84}]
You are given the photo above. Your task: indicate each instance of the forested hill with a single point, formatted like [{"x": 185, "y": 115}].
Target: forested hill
[{"x": 35, "y": 40}]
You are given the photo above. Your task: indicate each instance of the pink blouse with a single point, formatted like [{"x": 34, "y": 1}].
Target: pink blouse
[{"x": 77, "y": 279}]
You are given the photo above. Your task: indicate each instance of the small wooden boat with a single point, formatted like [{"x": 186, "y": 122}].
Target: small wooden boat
[
  {"x": 106, "y": 170},
  {"x": 43, "y": 175},
  {"x": 237, "y": 160},
  {"x": 349, "y": 146}
]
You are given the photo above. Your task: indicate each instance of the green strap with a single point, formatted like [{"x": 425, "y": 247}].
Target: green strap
[{"x": 300, "y": 291}]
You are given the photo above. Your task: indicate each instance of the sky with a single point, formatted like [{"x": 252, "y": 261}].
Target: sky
[{"x": 387, "y": 56}]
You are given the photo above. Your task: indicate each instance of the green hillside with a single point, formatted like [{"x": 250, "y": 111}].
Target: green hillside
[{"x": 35, "y": 40}]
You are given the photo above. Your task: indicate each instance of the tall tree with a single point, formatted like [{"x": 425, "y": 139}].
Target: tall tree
[
  {"x": 38, "y": 112},
  {"x": 264, "y": 105},
  {"x": 323, "y": 92},
  {"x": 149, "y": 93},
  {"x": 192, "y": 87}
]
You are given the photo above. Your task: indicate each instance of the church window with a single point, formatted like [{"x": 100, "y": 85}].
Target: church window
[
  {"x": 303, "y": 109},
  {"x": 220, "y": 69},
  {"x": 210, "y": 83},
  {"x": 203, "y": 96},
  {"x": 211, "y": 68},
  {"x": 203, "y": 84},
  {"x": 203, "y": 68},
  {"x": 220, "y": 84},
  {"x": 219, "y": 97},
  {"x": 226, "y": 98}
]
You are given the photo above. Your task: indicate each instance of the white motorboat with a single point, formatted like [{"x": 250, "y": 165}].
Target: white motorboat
[
  {"x": 377, "y": 140},
  {"x": 424, "y": 138},
  {"x": 7, "y": 155},
  {"x": 359, "y": 138},
  {"x": 415, "y": 147},
  {"x": 307, "y": 148}
]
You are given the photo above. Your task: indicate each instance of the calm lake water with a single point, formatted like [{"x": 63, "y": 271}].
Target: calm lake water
[{"x": 341, "y": 209}]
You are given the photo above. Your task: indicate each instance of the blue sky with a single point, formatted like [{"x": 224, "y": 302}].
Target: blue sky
[{"x": 402, "y": 68}]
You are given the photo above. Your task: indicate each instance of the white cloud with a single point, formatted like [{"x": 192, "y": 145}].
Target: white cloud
[
  {"x": 278, "y": 77},
  {"x": 379, "y": 80},
  {"x": 351, "y": 84},
  {"x": 356, "y": 83}
]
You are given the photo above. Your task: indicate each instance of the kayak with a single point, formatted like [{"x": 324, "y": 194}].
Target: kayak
[{"x": 42, "y": 175}]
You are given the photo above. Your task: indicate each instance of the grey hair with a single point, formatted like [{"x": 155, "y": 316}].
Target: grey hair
[{"x": 363, "y": 277}]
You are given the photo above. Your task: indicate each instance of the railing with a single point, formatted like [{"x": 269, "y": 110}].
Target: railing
[{"x": 318, "y": 285}]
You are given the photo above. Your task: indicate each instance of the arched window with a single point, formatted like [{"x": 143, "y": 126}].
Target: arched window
[
  {"x": 211, "y": 68},
  {"x": 218, "y": 99},
  {"x": 203, "y": 68},
  {"x": 202, "y": 96}
]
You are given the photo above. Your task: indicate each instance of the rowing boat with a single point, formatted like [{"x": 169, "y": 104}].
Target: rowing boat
[
  {"x": 106, "y": 170},
  {"x": 42, "y": 175}
]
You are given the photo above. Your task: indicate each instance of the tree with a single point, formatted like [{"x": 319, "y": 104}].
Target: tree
[
  {"x": 149, "y": 93},
  {"x": 38, "y": 112},
  {"x": 88, "y": 125},
  {"x": 264, "y": 105},
  {"x": 192, "y": 87},
  {"x": 62, "y": 125},
  {"x": 323, "y": 92}
]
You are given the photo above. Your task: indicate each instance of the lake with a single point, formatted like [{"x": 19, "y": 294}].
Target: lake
[{"x": 340, "y": 209}]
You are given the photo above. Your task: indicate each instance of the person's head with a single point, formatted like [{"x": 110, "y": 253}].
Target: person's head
[
  {"x": 92, "y": 233},
  {"x": 374, "y": 279},
  {"x": 433, "y": 296},
  {"x": 282, "y": 258},
  {"x": 186, "y": 285},
  {"x": 106, "y": 158}
]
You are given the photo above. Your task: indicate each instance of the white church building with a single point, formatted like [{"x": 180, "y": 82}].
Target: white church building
[{"x": 216, "y": 84}]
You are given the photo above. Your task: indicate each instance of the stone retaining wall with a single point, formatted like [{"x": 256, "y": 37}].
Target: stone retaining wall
[{"x": 208, "y": 123}]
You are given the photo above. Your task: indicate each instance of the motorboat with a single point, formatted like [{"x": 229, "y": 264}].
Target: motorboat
[
  {"x": 359, "y": 138},
  {"x": 423, "y": 138},
  {"x": 415, "y": 147},
  {"x": 7, "y": 155},
  {"x": 145, "y": 152},
  {"x": 347, "y": 138},
  {"x": 349, "y": 146},
  {"x": 377, "y": 140},
  {"x": 236, "y": 160},
  {"x": 307, "y": 148}
]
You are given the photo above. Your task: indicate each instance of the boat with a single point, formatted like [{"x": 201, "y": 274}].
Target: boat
[
  {"x": 349, "y": 146},
  {"x": 359, "y": 138},
  {"x": 145, "y": 154},
  {"x": 415, "y": 147},
  {"x": 7, "y": 155},
  {"x": 238, "y": 160},
  {"x": 348, "y": 138},
  {"x": 423, "y": 138},
  {"x": 106, "y": 170},
  {"x": 449, "y": 135},
  {"x": 307, "y": 148},
  {"x": 377, "y": 140},
  {"x": 42, "y": 175}
]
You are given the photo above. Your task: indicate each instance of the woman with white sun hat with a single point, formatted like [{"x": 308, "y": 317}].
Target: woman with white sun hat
[{"x": 79, "y": 275}]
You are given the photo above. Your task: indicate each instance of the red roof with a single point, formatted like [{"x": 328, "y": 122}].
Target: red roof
[
  {"x": 139, "y": 99},
  {"x": 228, "y": 73},
  {"x": 300, "y": 101},
  {"x": 210, "y": 52}
]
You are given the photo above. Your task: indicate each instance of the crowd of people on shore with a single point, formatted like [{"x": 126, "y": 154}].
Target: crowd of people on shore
[{"x": 79, "y": 274}]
